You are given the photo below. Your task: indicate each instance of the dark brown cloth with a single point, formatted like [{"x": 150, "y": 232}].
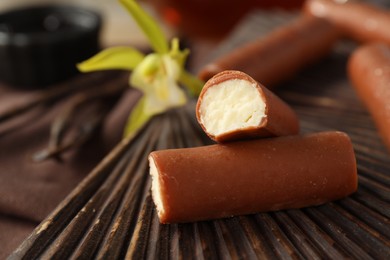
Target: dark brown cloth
[{"x": 29, "y": 191}]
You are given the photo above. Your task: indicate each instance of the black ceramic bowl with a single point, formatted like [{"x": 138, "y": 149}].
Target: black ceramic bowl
[{"x": 41, "y": 45}]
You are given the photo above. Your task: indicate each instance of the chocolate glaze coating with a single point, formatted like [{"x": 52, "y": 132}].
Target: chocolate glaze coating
[
  {"x": 280, "y": 118},
  {"x": 359, "y": 21},
  {"x": 369, "y": 71},
  {"x": 254, "y": 176},
  {"x": 279, "y": 55}
]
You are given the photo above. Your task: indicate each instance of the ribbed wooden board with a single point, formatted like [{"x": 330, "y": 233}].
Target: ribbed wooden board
[{"x": 110, "y": 215}]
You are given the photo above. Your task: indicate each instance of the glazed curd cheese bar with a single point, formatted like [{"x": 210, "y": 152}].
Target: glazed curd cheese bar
[
  {"x": 360, "y": 21},
  {"x": 237, "y": 178},
  {"x": 279, "y": 55},
  {"x": 369, "y": 71},
  {"x": 233, "y": 106}
]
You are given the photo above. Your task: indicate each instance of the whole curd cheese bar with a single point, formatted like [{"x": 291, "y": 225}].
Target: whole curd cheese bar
[
  {"x": 233, "y": 106},
  {"x": 360, "y": 21},
  {"x": 369, "y": 71},
  {"x": 237, "y": 178},
  {"x": 279, "y": 55}
]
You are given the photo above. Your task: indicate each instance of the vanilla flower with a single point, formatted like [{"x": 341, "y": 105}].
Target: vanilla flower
[{"x": 157, "y": 74}]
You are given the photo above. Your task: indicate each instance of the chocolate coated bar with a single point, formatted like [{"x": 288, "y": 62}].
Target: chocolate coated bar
[
  {"x": 369, "y": 71},
  {"x": 252, "y": 176},
  {"x": 233, "y": 106},
  {"x": 281, "y": 54},
  {"x": 359, "y": 21}
]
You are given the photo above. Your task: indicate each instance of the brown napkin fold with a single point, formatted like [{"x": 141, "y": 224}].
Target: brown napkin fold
[{"x": 29, "y": 191}]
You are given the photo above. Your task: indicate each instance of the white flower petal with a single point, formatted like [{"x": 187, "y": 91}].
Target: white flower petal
[{"x": 157, "y": 77}]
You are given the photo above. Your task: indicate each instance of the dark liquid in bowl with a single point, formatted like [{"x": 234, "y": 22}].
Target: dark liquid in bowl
[{"x": 41, "y": 45}]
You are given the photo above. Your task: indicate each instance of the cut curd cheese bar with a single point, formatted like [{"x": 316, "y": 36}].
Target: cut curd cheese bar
[{"x": 234, "y": 106}]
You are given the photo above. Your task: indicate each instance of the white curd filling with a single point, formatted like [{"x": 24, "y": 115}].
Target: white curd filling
[
  {"x": 231, "y": 105},
  {"x": 156, "y": 189}
]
